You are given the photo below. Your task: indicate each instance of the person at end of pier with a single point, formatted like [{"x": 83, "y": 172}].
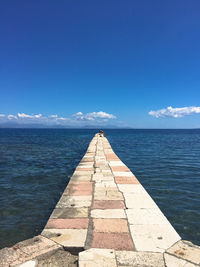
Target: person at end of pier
[{"x": 101, "y": 133}]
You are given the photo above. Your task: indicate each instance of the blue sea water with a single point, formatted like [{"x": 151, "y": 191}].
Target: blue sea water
[{"x": 36, "y": 165}]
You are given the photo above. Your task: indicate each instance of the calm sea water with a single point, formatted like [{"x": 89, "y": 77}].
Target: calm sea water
[{"x": 36, "y": 164}]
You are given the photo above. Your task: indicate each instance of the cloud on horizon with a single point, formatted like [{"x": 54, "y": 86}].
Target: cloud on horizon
[
  {"x": 174, "y": 112},
  {"x": 93, "y": 116},
  {"x": 78, "y": 119}
]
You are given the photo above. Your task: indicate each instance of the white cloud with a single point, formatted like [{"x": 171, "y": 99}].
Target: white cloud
[
  {"x": 10, "y": 117},
  {"x": 77, "y": 120},
  {"x": 174, "y": 112},
  {"x": 93, "y": 116},
  {"x": 23, "y": 115},
  {"x": 53, "y": 116}
]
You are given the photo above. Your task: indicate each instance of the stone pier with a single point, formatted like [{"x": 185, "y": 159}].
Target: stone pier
[{"x": 104, "y": 217}]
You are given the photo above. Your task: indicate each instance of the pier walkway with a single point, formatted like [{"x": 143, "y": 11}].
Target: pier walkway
[{"x": 104, "y": 217}]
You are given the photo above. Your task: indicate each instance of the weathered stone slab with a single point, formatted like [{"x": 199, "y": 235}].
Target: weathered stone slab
[
  {"x": 186, "y": 251},
  {"x": 117, "y": 241},
  {"x": 146, "y": 216},
  {"x": 108, "y": 213},
  {"x": 59, "y": 258},
  {"x": 120, "y": 168},
  {"x": 154, "y": 238},
  {"x": 172, "y": 261},
  {"x": 69, "y": 213},
  {"x": 132, "y": 189},
  {"x": 126, "y": 180},
  {"x": 144, "y": 259},
  {"x": 26, "y": 250},
  {"x": 110, "y": 225},
  {"x": 116, "y": 163},
  {"x": 139, "y": 201},
  {"x": 108, "y": 204},
  {"x": 125, "y": 174},
  {"x": 97, "y": 258},
  {"x": 78, "y": 178},
  {"x": 9, "y": 255},
  {"x": 74, "y": 201},
  {"x": 76, "y": 223},
  {"x": 67, "y": 237}
]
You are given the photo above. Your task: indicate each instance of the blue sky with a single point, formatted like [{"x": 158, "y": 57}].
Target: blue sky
[{"x": 116, "y": 62}]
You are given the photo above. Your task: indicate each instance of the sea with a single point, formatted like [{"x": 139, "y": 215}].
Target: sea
[{"x": 36, "y": 165}]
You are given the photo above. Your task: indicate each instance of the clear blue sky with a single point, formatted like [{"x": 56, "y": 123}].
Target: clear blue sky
[{"x": 124, "y": 58}]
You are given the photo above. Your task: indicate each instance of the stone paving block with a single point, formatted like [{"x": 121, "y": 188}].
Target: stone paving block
[
  {"x": 59, "y": 258},
  {"x": 125, "y": 174},
  {"x": 69, "y": 237},
  {"x": 84, "y": 173},
  {"x": 85, "y": 164},
  {"x": 104, "y": 188},
  {"x": 120, "y": 169},
  {"x": 144, "y": 259},
  {"x": 90, "y": 159},
  {"x": 108, "y": 213},
  {"x": 110, "y": 183},
  {"x": 78, "y": 192},
  {"x": 132, "y": 189},
  {"x": 77, "y": 223},
  {"x": 139, "y": 201},
  {"x": 78, "y": 178},
  {"x": 107, "y": 198},
  {"x": 9, "y": 255},
  {"x": 30, "y": 249},
  {"x": 172, "y": 261},
  {"x": 69, "y": 213},
  {"x": 126, "y": 180},
  {"x": 146, "y": 216},
  {"x": 65, "y": 203},
  {"x": 117, "y": 241},
  {"x": 85, "y": 185},
  {"x": 110, "y": 225},
  {"x": 97, "y": 258},
  {"x": 108, "y": 204},
  {"x": 74, "y": 201},
  {"x": 112, "y": 158},
  {"x": 36, "y": 246},
  {"x": 116, "y": 163},
  {"x": 186, "y": 250},
  {"x": 114, "y": 194},
  {"x": 80, "y": 169},
  {"x": 154, "y": 238}
]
